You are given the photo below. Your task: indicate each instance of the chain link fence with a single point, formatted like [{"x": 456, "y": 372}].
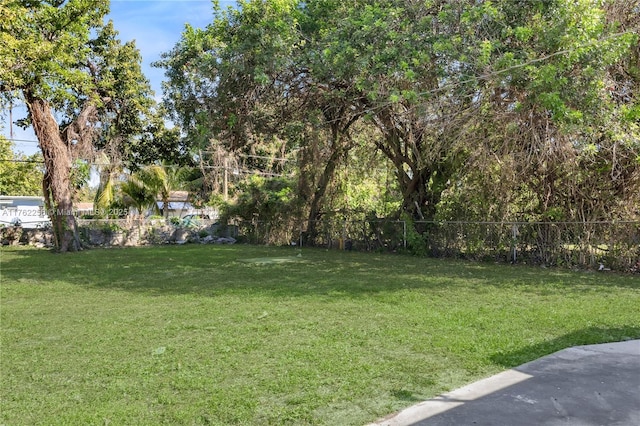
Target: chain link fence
[
  {"x": 331, "y": 234},
  {"x": 595, "y": 245},
  {"x": 600, "y": 245},
  {"x": 611, "y": 245}
]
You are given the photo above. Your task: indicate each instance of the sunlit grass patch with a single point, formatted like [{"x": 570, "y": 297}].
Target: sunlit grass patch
[{"x": 270, "y": 260}]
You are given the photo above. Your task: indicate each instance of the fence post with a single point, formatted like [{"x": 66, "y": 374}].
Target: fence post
[
  {"x": 514, "y": 237},
  {"x": 267, "y": 235},
  {"x": 404, "y": 234},
  {"x": 343, "y": 240},
  {"x": 300, "y": 234}
]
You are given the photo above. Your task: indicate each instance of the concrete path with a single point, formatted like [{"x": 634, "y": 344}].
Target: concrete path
[{"x": 579, "y": 386}]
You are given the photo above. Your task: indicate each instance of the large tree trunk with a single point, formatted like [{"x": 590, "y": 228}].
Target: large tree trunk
[
  {"x": 340, "y": 145},
  {"x": 321, "y": 188},
  {"x": 57, "y": 177},
  {"x": 422, "y": 192},
  {"x": 339, "y": 121}
]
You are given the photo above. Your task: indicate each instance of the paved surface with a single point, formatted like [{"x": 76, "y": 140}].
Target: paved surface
[{"x": 579, "y": 386}]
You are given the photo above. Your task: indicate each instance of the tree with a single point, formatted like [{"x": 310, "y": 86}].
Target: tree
[
  {"x": 244, "y": 81},
  {"x": 160, "y": 181},
  {"x": 552, "y": 108},
  {"x": 19, "y": 174},
  {"x": 64, "y": 61},
  {"x": 538, "y": 96},
  {"x": 138, "y": 193}
]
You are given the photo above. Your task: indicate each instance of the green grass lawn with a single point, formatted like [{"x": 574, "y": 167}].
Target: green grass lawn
[{"x": 254, "y": 335}]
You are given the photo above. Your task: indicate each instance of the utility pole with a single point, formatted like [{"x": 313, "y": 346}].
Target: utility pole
[
  {"x": 11, "y": 120},
  {"x": 226, "y": 179}
]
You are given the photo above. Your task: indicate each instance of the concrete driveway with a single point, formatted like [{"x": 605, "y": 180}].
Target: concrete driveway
[{"x": 580, "y": 386}]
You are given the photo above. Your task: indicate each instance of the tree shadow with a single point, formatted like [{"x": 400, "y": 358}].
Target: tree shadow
[
  {"x": 215, "y": 270},
  {"x": 406, "y": 396},
  {"x": 593, "y": 386},
  {"x": 585, "y": 336}
]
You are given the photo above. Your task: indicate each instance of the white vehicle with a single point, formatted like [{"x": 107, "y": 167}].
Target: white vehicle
[{"x": 25, "y": 211}]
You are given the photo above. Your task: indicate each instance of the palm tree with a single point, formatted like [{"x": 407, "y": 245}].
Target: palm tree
[
  {"x": 138, "y": 193},
  {"x": 162, "y": 180},
  {"x": 152, "y": 183},
  {"x": 106, "y": 193}
]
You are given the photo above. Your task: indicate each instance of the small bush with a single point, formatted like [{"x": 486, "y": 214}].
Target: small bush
[{"x": 416, "y": 242}]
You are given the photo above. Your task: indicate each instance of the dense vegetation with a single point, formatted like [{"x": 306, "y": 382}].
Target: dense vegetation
[
  {"x": 299, "y": 111},
  {"x": 478, "y": 110},
  {"x": 19, "y": 174}
]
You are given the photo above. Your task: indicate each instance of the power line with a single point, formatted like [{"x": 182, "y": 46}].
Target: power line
[
  {"x": 238, "y": 171},
  {"x": 262, "y": 157},
  {"x": 235, "y": 171},
  {"x": 21, "y": 161},
  {"x": 22, "y": 140}
]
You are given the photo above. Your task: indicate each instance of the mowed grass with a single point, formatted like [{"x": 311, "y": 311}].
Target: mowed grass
[{"x": 255, "y": 335}]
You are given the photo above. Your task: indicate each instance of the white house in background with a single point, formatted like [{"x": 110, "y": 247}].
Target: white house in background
[
  {"x": 83, "y": 209},
  {"x": 179, "y": 206},
  {"x": 26, "y": 211}
]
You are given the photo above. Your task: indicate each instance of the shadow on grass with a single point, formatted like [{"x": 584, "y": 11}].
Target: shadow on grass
[
  {"x": 576, "y": 387},
  {"x": 215, "y": 270},
  {"x": 406, "y": 396},
  {"x": 586, "y": 336}
]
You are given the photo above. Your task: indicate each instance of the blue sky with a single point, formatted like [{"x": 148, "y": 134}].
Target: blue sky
[{"x": 155, "y": 25}]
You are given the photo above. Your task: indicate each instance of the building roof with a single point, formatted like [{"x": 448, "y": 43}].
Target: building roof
[
  {"x": 21, "y": 197},
  {"x": 83, "y": 206},
  {"x": 176, "y": 205},
  {"x": 181, "y": 196}
]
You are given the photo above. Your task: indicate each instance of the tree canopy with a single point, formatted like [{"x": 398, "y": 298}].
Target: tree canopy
[
  {"x": 19, "y": 174},
  {"x": 85, "y": 94},
  {"x": 495, "y": 110},
  {"x": 439, "y": 109}
]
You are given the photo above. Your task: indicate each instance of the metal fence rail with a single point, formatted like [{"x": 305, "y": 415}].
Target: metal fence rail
[
  {"x": 606, "y": 245},
  {"x": 610, "y": 245},
  {"x": 376, "y": 235}
]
